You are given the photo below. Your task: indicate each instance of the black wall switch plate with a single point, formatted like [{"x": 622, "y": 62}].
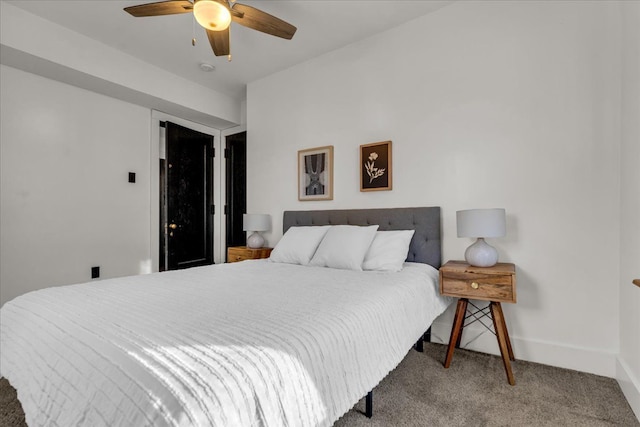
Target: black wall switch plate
[
  {"x": 132, "y": 177},
  {"x": 95, "y": 272}
]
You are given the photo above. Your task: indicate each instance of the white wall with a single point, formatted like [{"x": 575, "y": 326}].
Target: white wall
[
  {"x": 629, "y": 358},
  {"x": 488, "y": 104},
  {"x": 65, "y": 201}
]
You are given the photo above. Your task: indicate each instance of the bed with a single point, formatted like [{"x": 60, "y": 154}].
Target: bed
[{"x": 251, "y": 343}]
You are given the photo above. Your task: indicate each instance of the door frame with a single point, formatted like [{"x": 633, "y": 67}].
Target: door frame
[
  {"x": 222, "y": 167},
  {"x": 157, "y": 138},
  {"x": 223, "y": 189}
]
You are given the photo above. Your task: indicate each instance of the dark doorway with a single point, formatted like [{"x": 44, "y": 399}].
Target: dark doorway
[
  {"x": 186, "y": 187},
  {"x": 235, "y": 155}
]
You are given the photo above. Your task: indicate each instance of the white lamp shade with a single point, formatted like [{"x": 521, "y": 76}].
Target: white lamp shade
[
  {"x": 256, "y": 222},
  {"x": 481, "y": 223}
]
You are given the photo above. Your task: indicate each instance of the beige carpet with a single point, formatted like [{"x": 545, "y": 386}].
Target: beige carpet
[{"x": 472, "y": 392}]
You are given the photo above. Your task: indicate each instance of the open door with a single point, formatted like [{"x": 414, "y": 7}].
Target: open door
[{"x": 186, "y": 198}]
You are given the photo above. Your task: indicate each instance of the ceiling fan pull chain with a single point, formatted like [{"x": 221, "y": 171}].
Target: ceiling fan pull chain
[
  {"x": 193, "y": 30},
  {"x": 229, "y": 56}
]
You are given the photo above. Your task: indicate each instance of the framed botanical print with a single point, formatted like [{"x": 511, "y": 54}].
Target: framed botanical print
[
  {"x": 315, "y": 174},
  {"x": 375, "y": 166}
]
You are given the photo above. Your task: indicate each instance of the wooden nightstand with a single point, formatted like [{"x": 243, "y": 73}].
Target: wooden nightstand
[
  {"x": 240, "y": 253},
  {"x": 494, "y": 284}
]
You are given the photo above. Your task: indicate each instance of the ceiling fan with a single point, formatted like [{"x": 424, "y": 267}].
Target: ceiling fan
[{"x": 216, "y": 16}]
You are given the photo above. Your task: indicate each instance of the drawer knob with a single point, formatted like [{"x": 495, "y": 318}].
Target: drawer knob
[
  {"x": 474, "y": 285},
  {"x": 238, "y": 258}
]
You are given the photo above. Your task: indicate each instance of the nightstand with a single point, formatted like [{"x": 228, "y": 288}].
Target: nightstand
[
  {"x": 495, "y": 284},
  {"x": 241, "y": 253}
]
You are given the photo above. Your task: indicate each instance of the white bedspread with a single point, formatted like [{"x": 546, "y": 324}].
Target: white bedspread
[{"x": 254, "y": 343}]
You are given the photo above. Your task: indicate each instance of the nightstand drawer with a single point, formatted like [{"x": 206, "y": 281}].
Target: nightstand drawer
[
  {"x": 482, "y": 287},
  {"x": 235, "y": 256}
]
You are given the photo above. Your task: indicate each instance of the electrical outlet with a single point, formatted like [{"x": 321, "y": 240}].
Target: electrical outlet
[{"x": 95, "y": 272}]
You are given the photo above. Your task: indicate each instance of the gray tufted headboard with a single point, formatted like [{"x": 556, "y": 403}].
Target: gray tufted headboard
[{"x": 426, "y": 245}]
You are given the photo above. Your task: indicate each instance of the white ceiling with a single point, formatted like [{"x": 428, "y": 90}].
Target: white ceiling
[{"x": 165, "y": 41}]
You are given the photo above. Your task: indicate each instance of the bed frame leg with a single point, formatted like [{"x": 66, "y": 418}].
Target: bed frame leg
[
  {"x": 425, "y": 337},
  {"x": 369, "y": 405}
]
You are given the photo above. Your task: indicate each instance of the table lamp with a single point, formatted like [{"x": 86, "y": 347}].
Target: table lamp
[
  {"x": 256, "y": 223},
  {"x": 481, "y": 223}
]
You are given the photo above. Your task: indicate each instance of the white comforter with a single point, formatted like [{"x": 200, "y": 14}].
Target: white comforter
[{"x": 254, "y": 343}]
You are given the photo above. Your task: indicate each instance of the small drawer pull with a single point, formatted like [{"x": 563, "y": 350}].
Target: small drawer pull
[
  {"x": 474, "y": 285},
  {"x": 238, "y": 258}
]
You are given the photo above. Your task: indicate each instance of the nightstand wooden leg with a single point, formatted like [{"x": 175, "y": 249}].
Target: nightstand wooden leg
[
  {"x": 500, "y": 327},
  {"x": 459, "y": 340},
  {"x": 506, "y": 333},
  {"x": 456, "y": 329}
]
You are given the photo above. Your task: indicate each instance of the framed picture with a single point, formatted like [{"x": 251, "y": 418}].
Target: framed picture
[
  {"x": 375, "y": 166},
  {"x": 315, "y": 174}
]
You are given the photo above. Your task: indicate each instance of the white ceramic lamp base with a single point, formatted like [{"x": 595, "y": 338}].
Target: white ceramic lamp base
[
  {"x": 481, "y": 254},
  {"x": 255, "y": 241}
]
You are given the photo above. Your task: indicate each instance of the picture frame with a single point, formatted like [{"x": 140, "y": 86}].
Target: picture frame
[
  {"x": 375, "y": 167},
  {"x": 315, "y": 174}
]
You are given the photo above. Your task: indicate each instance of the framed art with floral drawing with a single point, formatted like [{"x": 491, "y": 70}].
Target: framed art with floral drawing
[
  {"x": 375, "y": 166},
  {"x": 315, "y": 173}
]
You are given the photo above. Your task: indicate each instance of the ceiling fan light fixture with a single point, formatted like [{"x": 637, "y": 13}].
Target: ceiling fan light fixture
[{"x": 212, "y": 15}]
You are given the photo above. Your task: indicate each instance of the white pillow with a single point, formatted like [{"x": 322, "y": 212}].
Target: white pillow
[
  {"x": 298, "y": 244},
  {"x": 388, "y": 251},
  {"x": 344, "y": 246}
]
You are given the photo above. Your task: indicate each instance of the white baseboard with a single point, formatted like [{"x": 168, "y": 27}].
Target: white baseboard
[
  {"x": 594, "y": 361},
  {"x": 630, "y": 386}
]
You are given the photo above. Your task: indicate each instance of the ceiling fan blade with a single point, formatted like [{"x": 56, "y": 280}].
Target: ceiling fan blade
[
  {"x": 219, "y": 41},
  {"x": 258, "y": 20},
  {"x": 170, "y": 7}
]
